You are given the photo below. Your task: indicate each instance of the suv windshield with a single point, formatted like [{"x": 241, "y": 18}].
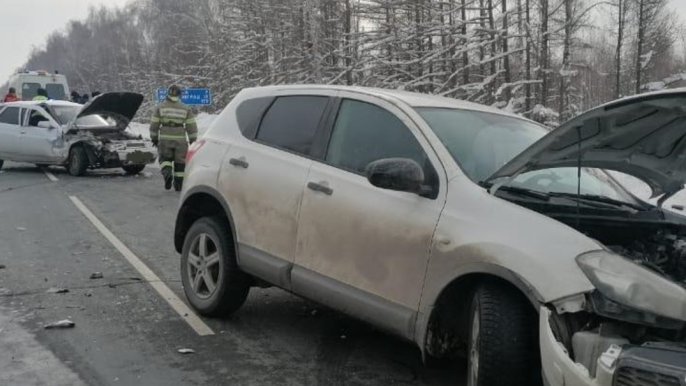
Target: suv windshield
[
  {"x": 481, "y": 143},
  {"x": 64, "y": 115}
]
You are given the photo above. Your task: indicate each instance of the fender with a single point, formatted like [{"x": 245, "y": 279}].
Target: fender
[{"x": 180, "y": 229}]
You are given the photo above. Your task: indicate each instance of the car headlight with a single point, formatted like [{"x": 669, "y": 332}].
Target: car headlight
[{"x": 633, "y": 285}]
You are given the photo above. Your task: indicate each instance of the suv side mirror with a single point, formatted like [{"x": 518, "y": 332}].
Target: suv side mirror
[
  {"x": 401, "y": 174},
  {"x": 46, "y": 125}
]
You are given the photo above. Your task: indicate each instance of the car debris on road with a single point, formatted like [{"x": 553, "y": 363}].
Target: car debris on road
[
  {"x": 66, "y": 323},
  {"x": 96, "y": 275},
  {"x": 55, "y": 290},
  {"x": 186, "y": 351}
]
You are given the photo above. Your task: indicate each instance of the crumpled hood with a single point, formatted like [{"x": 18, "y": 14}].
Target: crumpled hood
[
  {"x": 643, "y": 136},
  {"x": 121, "y": 106}
]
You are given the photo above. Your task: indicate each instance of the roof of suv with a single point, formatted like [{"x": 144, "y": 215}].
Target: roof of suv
[
  {"x": 413, "y": 99},
  {"x": 36, "y": 103}
]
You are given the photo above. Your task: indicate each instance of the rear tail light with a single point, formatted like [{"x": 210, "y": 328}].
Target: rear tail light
[{"x": 195, "y": 146}]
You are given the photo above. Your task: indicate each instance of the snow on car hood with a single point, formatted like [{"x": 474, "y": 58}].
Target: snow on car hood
[
  {"x": 643, "y": 136},
  {"x": 120, "y": 106}
]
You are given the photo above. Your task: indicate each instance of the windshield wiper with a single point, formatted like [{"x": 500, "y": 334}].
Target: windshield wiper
[
  {"x": 520, "y": 191},
  {"x": 598, "y": 198}
]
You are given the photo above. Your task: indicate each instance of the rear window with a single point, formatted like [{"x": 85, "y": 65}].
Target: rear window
[
  {"x": 10, "y": 115},
  {"x": 291, "y": 122},
  {"x": 249, "y": 113},
  {"x": 56, "y": 91},
  {"x": 29, "y": 90}
]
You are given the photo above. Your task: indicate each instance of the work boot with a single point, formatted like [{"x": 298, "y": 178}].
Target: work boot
[
  {"x": 178, "y": 184},
  {"x": 168, "y": 177}
]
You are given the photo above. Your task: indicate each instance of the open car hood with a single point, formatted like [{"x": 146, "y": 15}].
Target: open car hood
[
  {"x": 120, "y": 106},
  {"x": 643, "y": 136}
]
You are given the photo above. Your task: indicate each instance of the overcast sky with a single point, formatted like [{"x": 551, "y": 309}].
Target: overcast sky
[{"x": 26, "y": 23}]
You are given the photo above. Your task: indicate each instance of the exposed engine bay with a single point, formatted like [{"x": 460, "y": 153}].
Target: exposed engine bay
[{"x": 609, "y": 339}]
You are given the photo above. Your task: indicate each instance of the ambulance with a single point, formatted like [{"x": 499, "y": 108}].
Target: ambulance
[{"x": 27, "y": 84}]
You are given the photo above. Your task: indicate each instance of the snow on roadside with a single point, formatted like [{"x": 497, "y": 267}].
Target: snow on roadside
[{"x": 204, "y": 121}]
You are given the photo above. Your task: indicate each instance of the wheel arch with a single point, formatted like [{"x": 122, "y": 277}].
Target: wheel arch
[
  {"x": 201, "y": 201},
  {"x": 440, "y": 328}
]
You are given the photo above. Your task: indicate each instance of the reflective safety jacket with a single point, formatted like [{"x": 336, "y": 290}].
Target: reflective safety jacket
[
  {"x": 40, "y": 98},
  {"x": 173, "y": 121}
]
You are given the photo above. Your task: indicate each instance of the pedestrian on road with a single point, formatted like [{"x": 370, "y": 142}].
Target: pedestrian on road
[
  {"x": 75, "y": 97},
  {"x": 11, "y": 95},
  {"x": 41, "y": 95},
  {"x": 172, "y": 128}
]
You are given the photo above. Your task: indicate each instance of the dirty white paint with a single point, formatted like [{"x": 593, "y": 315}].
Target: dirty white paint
[{"x": 148, "y": 275}]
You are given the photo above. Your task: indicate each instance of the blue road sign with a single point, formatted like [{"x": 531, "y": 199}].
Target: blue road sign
[{"x": 190, "y": 96}]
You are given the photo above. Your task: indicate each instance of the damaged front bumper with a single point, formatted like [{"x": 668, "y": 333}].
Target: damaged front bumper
[
  {"x": 620, "y": 364},
  {"x": 123, "y": 154}
]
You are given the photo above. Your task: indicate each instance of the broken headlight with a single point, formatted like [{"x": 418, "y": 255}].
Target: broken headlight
[{"x": 632, "y": 285}]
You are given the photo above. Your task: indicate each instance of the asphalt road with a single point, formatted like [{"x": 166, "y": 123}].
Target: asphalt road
[{"x": 127, "y": 334}]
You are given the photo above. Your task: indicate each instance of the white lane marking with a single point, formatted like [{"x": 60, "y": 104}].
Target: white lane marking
[
  {"x": 50, "y": 176},
  {"x": 148, "y": 275}
]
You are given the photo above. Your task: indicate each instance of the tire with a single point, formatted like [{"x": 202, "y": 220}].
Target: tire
[
  {"x": 78, "y": 161},
  {"x": 133, "y": 169},
  {"x": 502, "y": 345},
  {"x": 231, "y": 284}
]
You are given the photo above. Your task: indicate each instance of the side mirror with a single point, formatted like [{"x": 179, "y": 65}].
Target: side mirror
[
  {"x": 46, "y": 125},
  {"x": 401, "y": 174}
]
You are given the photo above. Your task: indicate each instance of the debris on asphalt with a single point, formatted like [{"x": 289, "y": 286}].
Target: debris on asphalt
[
  {"x": 343, "y": 337},
  {"x": 66, "y": 323},
  {"x": 96, "y": 275},
  {"x": 55, "y": 290},
  {"x": 3, "y": 266},
  {"x": 314, "y": 313},
  {"x": 88, "y": 294},
  {"x": 21, "y": 229},
  {"x": 186, "y": 351}
]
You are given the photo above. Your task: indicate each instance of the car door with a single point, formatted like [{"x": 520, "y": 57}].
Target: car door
[
  {"x": 263, "y": 177},
  {"x": 9, "y": 131},
  {"x": 37, "y": 144},
  {"x": 360, "y": 248}
]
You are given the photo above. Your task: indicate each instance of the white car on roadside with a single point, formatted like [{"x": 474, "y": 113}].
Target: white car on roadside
[
  {"x": 462, "y": 228},
  {"x": 75, "y": 136}
]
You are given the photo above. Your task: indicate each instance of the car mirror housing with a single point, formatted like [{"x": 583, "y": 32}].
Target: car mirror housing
[
  {"x": 401, "y": 174},
  {"x": 46, "y": 125}
]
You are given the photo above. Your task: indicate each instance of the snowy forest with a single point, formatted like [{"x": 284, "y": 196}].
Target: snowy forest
[{"x": 545, "y": 59}]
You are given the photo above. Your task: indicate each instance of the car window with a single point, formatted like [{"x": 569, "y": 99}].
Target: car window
[
  {"x": 10, "y": 115},
  {"x": 29, "y": 90},
  {"x": 55, "y": 91},
  {"x": 36, "y": 116},
  {"x": 291, "y": 122},
  {"x": 364, "y": 133}
]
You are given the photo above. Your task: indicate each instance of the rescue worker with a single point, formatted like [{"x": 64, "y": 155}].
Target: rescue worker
[
  {"x": 172, "y": 128},
  {"x": 11, "y": 95},
  {"x": 41, "y": 95}
]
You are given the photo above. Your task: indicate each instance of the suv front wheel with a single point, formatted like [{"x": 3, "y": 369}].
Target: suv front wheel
[
  {"x": 502, "y": 344},
  {"x": 212, "y": 281}
]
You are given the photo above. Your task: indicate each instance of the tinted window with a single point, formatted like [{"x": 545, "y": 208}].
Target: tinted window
[
  {"x": 29, "y": 90},
  {"x": 364, "y": 133},
  {"x": 249, "y": 113},
  {"x": 56, "y": 91},
  {"x": 291, "y": 122},
  {"x": 10, "y": 115}
]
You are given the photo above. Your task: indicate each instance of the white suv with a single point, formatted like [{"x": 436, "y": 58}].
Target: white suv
[{"x": 459, "y": 227}]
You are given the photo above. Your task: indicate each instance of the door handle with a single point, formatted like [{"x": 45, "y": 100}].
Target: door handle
[
  {"x": 239, "y": 162},
  {"x": 320, "y": 187}
]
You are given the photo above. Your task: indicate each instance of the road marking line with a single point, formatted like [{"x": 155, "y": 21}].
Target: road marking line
[
  {"x": 50, "y": 176},
  {"x": 148, "y": 275}
]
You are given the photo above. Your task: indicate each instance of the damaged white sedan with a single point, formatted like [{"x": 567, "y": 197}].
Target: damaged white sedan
[{"x": 75, "y": 136}]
